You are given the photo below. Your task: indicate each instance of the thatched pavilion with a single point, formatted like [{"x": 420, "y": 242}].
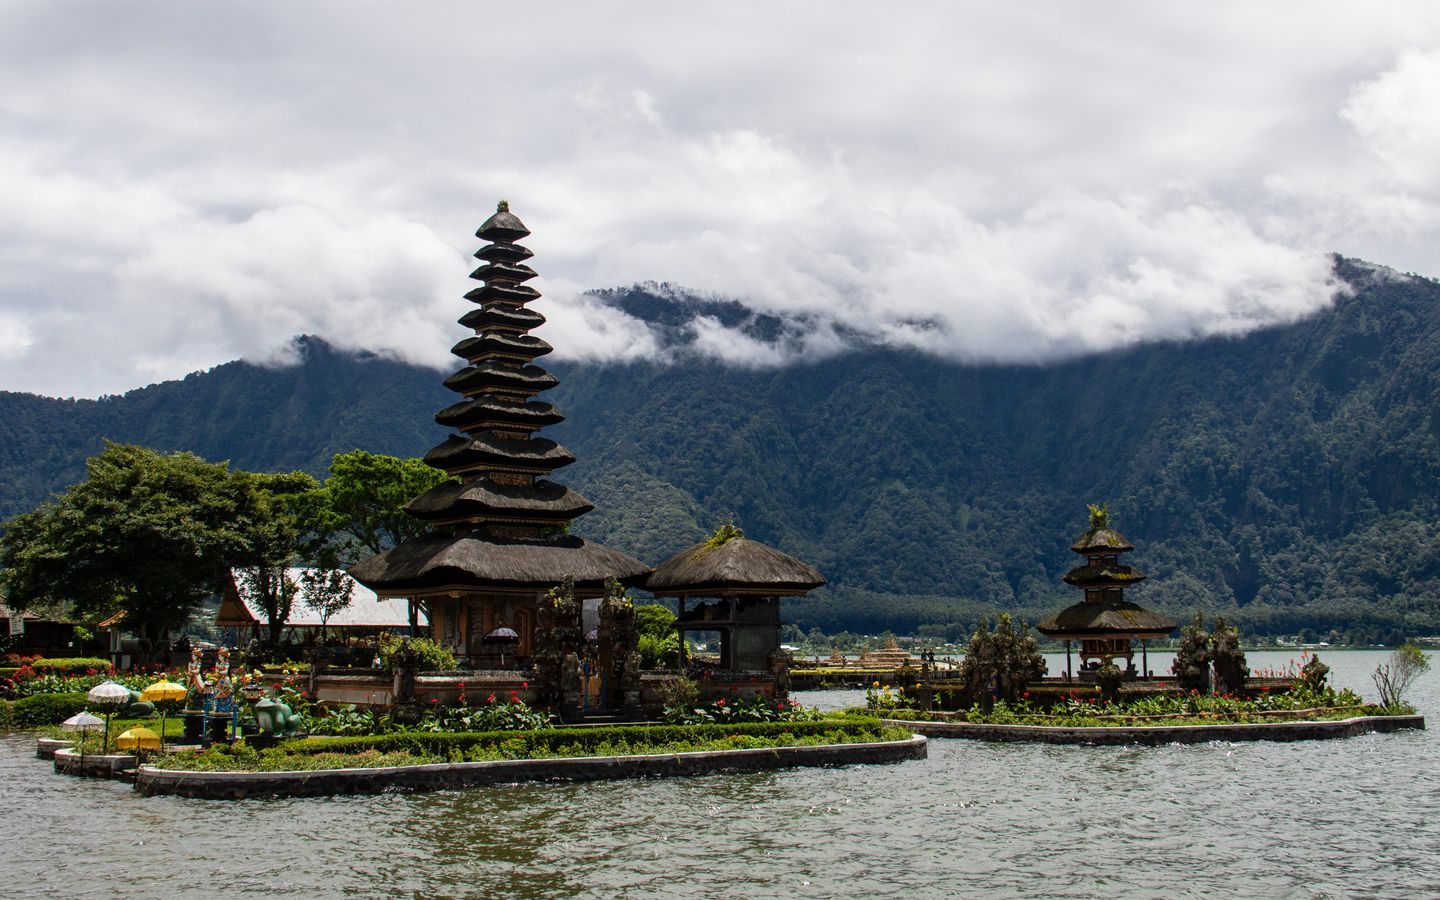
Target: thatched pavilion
[
  {"x": 739, "y": 583},
  {"x": 497, "y": 542},
  {"x": 1105, "y": 624}
]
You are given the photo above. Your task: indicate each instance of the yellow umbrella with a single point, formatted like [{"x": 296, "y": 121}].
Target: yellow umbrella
[
  {"x": 163, "y": 693},
  {"x": 163, "y": 690},
  {"x": 138, "y": 738}
]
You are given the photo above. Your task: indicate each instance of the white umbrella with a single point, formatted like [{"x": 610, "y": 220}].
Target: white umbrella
[
  {"x": 81, "y": 722},
  {"x": 110, "y": 695}
]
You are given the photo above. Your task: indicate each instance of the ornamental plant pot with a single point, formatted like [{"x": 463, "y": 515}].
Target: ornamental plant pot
[{"x": 194, "y": 725}]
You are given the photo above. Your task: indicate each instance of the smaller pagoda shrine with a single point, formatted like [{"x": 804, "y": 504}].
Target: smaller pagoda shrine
[
  {"x": 738, "y": 584},
  {"x": 1105, "y": 624}
]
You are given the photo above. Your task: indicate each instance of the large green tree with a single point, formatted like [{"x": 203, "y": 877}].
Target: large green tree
[
  {"x": 283, "y": 513},
  {"x": 147, "y": 533},
  {"x": 360, "y": 509}
]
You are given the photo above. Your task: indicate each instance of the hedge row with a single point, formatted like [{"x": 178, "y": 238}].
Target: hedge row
[
  {"x": 41, "y": 709},
  {"x": 8, "y": 671},
  {"x": 441, "y": 744},
  {"x": 74, "y": 665}
]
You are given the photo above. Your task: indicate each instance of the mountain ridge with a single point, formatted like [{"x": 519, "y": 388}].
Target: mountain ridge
[{"x": 1286, "y": 478}]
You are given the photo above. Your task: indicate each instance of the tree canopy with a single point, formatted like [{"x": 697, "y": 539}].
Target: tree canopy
[
  {"x": 147, "y": 533},
  {"x": 360, "y": 509}
]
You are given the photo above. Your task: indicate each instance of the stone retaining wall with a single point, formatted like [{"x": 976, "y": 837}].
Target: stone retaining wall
[
  {"x": 93, "y": 765},
  {"x": 45, "y": 747},
  {"x": 237, "y": 785},
  {"x": 1166, "y": 734}
]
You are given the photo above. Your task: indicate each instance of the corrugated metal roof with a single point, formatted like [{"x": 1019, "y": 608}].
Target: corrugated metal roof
[{"x": 366, "y": 610}]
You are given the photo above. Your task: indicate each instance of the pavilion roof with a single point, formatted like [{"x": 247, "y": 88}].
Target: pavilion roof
[
  {"x": 738, "y": 564},
  {"x": 1105, "y": 617},
  {"x": 1105, "y": 538},
  {"x": 475, "y": 558},
  {"x": 1101, "y": 575}
]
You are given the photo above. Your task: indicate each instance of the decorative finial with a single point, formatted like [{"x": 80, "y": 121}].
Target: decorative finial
[
  {"x": 724, "y": 535},
  {"x": 1099, "y": 515},
  {"x": 502, "y": 206}
]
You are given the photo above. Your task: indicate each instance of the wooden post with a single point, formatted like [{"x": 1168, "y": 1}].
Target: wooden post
[
  {"x": 1067, "y": 661},
  {"x": 680, "y": 629},
  {"x": 1145, "y": 658}
]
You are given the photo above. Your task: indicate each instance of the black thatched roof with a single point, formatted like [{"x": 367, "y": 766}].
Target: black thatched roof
[
  {"x": 502, "y": 317},
  {"x": 472, "y": 559},
  {"x": 1107, "y": 539},
  {"x": 501, "y": 292},
  {"x": 1105, "y": 617},
  {"x": 1103, "y": 576},
  {"x": 536, "y": 454},
  {"x": 504, "y": 271},
  {"x": 530, "y": 379},
  {"x": 504, "y": 226},
  {"x": 476, "y": 412},
  {"x": 524, "y": 345},
  {"x": 738, "y": 564},
  {"x": 503, "y": 251},
  {"x": 541, "y": 501}
]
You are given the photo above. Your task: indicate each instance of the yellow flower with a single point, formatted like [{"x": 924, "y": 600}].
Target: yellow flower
[{"x": 877, "y": 684}]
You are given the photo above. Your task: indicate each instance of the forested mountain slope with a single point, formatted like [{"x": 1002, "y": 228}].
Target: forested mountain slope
[{"x": 1288, "y": 478}]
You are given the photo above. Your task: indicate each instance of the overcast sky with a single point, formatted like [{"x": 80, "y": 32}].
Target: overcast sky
[{"x": 183, "y": 184}]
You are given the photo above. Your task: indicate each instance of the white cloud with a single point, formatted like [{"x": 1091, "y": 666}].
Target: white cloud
[
  {"x": 185, "y": 186},
  {"x": 1397, "y": 117}
]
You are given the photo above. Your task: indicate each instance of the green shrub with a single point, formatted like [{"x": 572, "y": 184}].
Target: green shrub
[
  {"x": 8, "y": 671},
  {"x": 575, "y": 739},
  {"x": 45, "y": 709},
  {"x": 7, "y": 713},
  {"x": 78, "y": 665},
  {"x": 413, "y": 748},
  {"x": 433, "y": 657}
]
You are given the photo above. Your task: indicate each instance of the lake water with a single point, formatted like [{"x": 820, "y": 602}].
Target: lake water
[{"x": 1350, "y": 818}]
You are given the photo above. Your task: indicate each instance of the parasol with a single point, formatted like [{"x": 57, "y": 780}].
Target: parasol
[
  {"x": 138, "y": 738},
  {"x": 162, "y": 694},
  {"x": 81, "y": 722},
  {"x": 503, "y": 634},
  {"x": 109, "y": 695}
]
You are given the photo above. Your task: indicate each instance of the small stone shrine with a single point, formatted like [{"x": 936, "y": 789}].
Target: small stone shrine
[{"x": 1105, "y": 624}]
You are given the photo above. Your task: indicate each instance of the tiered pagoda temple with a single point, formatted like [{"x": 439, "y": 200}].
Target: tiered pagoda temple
[
  {"x": 1105, "y": 624},
  {"x": 498, "y": 537}
]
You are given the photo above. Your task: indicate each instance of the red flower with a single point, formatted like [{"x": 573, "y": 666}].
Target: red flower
[
  {"x": 720, "y": 702},
  {"x": 514, "y": 698},
  {"x": 490, "y": 699},
  {"x": 780, "y": 707},
  {"x": 524, "y": 684},
  {"x": 1026, "y": 695}
]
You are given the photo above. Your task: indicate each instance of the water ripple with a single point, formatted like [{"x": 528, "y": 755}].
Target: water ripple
[{"x": 1354, "y": 818}]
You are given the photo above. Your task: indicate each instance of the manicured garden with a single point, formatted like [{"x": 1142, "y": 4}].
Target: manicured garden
[
  {"x": 419, "y": 748},
  {"x": 480, "y": 727},
  {"x": 1307, "y": 695}
]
